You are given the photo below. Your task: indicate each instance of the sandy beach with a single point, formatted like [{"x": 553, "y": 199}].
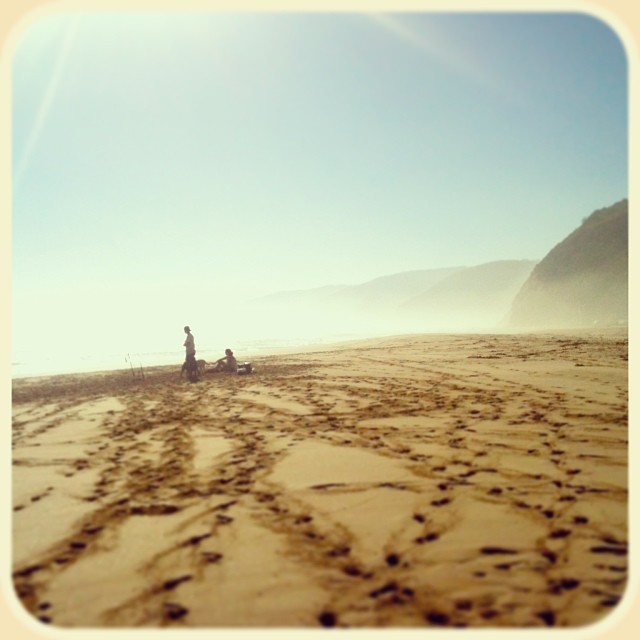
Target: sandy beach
[{"x": 419, "y": 481}]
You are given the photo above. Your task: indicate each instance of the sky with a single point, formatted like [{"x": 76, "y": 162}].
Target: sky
[{"x": 167, "y": 165}]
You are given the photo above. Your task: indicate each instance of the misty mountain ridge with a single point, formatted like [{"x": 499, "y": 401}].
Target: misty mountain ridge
[
  {"x": 583, "y": 280},
  {"x": 478, "y": 297},
  {"x": 373, "y": 294},
  {"x": 409, "y": 301}
]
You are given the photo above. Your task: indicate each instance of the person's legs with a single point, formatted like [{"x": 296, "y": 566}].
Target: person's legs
[{"x": 192, "y": 367}]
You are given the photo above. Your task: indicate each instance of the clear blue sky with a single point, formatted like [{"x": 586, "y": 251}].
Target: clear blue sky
[{"x": 163, "y": 161}]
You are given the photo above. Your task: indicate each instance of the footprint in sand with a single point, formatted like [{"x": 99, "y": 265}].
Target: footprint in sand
[
  {"x": 154, "y": 510},
  {"x": 430, "y": 537},
  {"x": 328, "y": 619},
  {"x": 437, "y": 618},
  {"x": 194, "y": 540},
  {"x": 548, "y": 617},
  {"x": 24, "y": 573},
  {"x": 389, "y": 587},
  {"x": 463, "y": 605},
  {"x": 222, "y": 519},
  {"x": 617, "y": 551},
  {"x": 169, "y": 585},
  {"x": 211, "y": 557},
  {"x": 497, "y": 551},
  {"x": 303, "y": 519},
  {"x": 92, "y": 529},
  {"x": 556, "y": 587},
  {"x": 392, "y": 559},
  {"x": 174, "y": 611},
  {"x": 352, "y": 570}
]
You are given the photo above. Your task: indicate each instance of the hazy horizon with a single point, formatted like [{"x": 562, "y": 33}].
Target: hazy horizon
[{"x": 168, "y": 166}]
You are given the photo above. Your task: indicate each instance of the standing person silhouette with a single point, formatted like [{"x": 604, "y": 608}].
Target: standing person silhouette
[{"x": 190, "y": 361}]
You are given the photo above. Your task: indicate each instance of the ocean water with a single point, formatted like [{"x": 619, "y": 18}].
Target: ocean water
[{"x": 25, "y": 364}]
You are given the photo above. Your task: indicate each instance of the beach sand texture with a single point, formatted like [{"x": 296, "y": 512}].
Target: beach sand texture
[{"x": 464, "y": 481}]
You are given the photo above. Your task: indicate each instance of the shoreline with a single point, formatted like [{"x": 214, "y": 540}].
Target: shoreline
[
  {"x": 443, "y": 480},
  {"x": 271, "y": 352}
]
